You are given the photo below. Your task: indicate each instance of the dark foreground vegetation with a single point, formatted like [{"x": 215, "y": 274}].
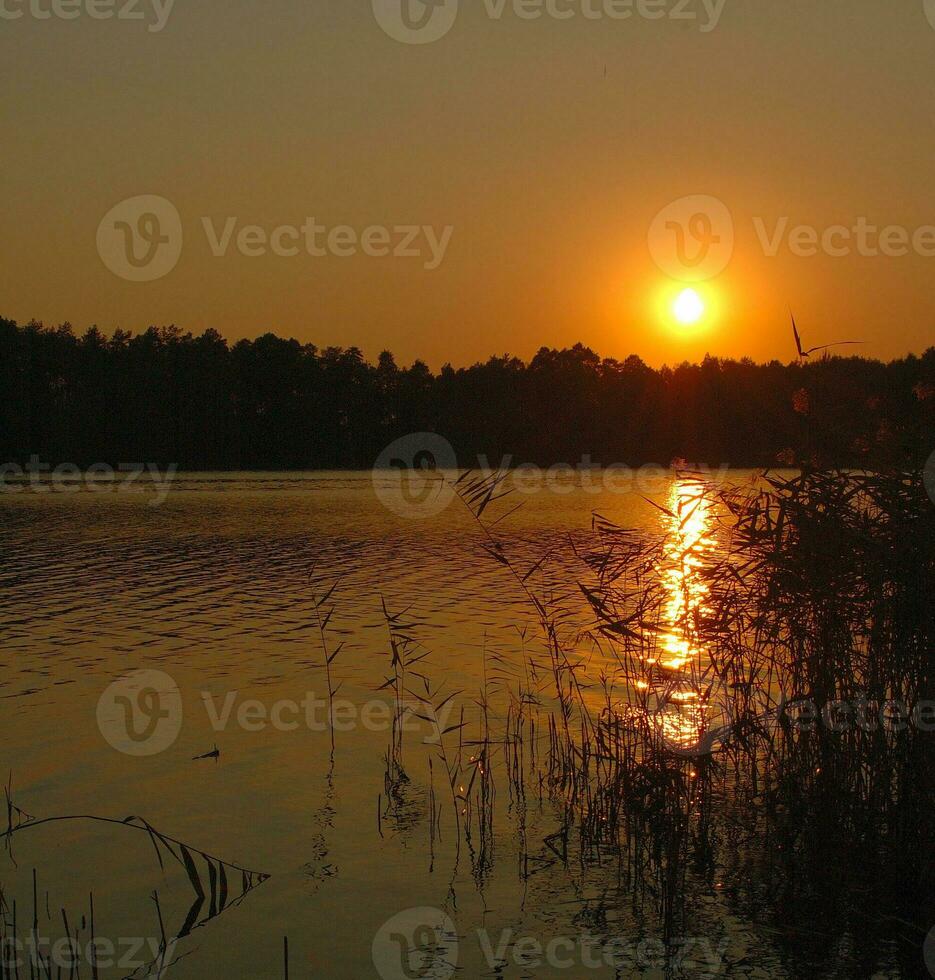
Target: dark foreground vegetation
[
  {"x": 709, "y": 786},
  {"x": 167, "y": 397}
]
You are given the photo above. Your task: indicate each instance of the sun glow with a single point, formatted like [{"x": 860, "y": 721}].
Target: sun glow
[
  {"x": 688, "y": 307},
  {"x": 687, "y": 313}
]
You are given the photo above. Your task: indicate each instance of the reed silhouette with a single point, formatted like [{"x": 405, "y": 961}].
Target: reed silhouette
[{"x": 818, "y": 592}]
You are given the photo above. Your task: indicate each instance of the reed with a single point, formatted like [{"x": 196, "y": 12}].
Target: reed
[
  {"x": 219, "y": 884},
  {"x": 818, "y": 592},
  {"x": 323, "y": 614}
]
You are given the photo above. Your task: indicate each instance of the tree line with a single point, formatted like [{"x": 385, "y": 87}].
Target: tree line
[{"x": 169, "y": 397}]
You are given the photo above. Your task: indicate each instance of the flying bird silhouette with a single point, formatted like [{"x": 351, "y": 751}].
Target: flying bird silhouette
[{"x": 812, "y": 350}]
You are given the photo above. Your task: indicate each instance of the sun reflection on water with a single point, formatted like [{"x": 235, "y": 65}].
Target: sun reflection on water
[
  {"x": 690, "y": 539},
  {"x": 679, "y": 679}
]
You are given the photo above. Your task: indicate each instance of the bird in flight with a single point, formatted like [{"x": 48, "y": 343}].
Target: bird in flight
[{"x": 812, "y": 350}]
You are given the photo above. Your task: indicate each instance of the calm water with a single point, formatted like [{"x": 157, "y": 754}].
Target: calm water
[{"x": 210, "y": 588}]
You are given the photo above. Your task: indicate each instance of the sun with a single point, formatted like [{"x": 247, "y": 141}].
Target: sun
[{"x": 688, "y": 307}]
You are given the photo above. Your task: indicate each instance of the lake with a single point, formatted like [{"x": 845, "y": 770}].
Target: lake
[{"x": 211, "y": 590}]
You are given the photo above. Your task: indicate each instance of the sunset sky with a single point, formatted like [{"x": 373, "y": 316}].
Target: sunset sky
[{"x": 548, "y": 146}]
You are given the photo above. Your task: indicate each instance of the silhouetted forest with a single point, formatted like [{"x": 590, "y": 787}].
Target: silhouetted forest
[{"x": 166, "y": 397}]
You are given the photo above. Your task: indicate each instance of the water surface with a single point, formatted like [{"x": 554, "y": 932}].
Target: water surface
[{"x": 211, "y": 587}]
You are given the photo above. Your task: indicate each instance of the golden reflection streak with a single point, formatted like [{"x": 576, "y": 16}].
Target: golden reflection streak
[
  {"x": 690, "y": 526},
  {"x": 689, "y": 540}
]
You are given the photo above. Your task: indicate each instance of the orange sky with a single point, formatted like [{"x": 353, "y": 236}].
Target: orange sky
[{"x": 546, "y": 146}]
